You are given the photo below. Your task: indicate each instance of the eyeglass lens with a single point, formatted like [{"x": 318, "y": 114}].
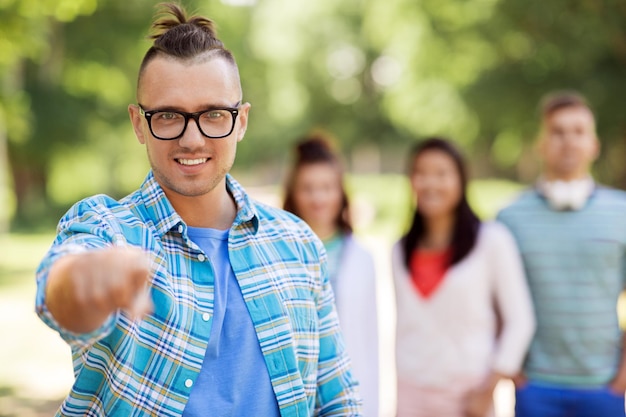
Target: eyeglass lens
[{"x": 213, "y": 123}]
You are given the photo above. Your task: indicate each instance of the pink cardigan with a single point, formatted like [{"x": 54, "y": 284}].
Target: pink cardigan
[{"x": 452, "y": 334}]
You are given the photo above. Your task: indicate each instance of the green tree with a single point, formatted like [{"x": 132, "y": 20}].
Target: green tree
[
  {"x": 543, "y": 46},
  {"x": 25, "y": 27},
  {"x": 376, "y": 73}
]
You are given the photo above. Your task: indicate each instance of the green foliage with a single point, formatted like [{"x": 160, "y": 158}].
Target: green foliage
[
  {"x": 542, "y": 46},
  {"x": 373, "y": 72}
]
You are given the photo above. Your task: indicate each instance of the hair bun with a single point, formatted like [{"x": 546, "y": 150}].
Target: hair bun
[{"x": 173, "y": 18}]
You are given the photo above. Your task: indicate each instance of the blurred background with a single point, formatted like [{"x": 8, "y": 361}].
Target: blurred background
[{"x": 377, "y": 74}]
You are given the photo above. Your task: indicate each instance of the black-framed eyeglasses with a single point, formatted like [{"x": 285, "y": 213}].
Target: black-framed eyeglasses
[{"x": 214, "y": 123}]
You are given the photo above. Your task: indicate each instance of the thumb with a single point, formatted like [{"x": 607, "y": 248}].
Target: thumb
[
  {"x": 141, "y": 268},
  {"x": 142, "y": 304}
]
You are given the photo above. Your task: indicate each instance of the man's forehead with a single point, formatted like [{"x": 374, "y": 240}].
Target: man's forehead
[
  {"x": 208, "y": 72},
  {"x": 578, "y": 111}
]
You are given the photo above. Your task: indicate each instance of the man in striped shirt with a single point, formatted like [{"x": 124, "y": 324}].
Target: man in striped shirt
[
  {"x": 186, "y": 298},
  {"x": 572, "y": 237}
]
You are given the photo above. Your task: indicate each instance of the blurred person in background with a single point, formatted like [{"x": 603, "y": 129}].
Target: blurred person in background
[
  {"x": 464, "y": 314},
  {"x": 234, "y": 315},
  {"x": 315, "y": 192},
  {"x": 572, "y": 236}
]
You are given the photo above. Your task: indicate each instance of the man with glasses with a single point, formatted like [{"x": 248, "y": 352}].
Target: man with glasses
[{"x": 187, "y": 298}]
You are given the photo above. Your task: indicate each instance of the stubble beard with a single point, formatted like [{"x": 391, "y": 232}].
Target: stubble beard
[{"x": 191, "y": 187}]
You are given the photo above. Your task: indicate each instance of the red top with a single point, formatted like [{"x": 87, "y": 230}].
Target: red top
[{"x": 428, "y": 269}]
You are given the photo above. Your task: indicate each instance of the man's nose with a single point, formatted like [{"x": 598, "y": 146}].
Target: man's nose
[
  {"x": 193, "y": 137},
  {"x": 571, "y": 140}
]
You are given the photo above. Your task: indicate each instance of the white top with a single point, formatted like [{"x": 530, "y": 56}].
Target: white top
[
  {"x": 452, "y": 334},
  {"x": 355, "y": 297}
]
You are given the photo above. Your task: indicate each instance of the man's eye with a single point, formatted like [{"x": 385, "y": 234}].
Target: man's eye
[
  {"x": 214, "y": 114},
  {"x": 168, "y": 115}
]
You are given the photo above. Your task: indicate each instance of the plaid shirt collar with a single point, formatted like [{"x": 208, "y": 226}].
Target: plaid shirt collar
[{"x": 161, "y": 211}]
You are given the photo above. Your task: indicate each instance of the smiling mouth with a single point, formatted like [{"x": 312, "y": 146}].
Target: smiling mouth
[{"x": 192, "y": 162}]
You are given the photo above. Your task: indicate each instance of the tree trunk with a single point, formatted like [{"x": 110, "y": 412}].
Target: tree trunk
[{"x": 29, "y": 185}]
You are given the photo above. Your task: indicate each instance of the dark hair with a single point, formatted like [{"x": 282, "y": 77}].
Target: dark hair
[
  {"x": 466, "y": 224},
  {"x": 181, "y": 37},
  {"x": 317, "y": 149},
  {"x": 558, "y": 100}
]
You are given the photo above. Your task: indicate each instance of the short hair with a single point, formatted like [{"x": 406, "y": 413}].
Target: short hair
[
  {"x": 317, "y": 148},
  {"x": 558, "y": 100},
  {"x": 181, "y": 37}
]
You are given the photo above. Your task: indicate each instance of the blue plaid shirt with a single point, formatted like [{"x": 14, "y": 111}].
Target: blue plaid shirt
[{"x": 148, "y": 367}]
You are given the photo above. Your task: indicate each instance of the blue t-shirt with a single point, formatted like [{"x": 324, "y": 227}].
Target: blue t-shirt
[{"x": 234, "y": 380}]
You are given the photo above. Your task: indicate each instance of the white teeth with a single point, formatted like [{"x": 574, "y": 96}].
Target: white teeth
[{"x": 192, "y": 161}]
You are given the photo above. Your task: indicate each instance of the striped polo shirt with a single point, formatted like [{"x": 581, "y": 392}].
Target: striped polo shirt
[{"x": 575, "y": 266}]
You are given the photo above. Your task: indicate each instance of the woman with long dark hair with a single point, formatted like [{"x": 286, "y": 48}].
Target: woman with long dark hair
[
  {"x": 315, "y": 192},
  {"x": 464, "y": 315}
]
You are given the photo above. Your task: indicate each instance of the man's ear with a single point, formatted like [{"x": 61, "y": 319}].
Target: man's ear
[
  {"x": 137, "y": 120},
  {"x": 243, "y": 120}
]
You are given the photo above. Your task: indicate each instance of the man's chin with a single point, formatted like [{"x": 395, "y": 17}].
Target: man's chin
[
  {"x": 189, "y": 190},
  {"x": 572, "y": 172}
]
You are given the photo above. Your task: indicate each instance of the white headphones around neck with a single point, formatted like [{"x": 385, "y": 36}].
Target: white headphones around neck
[{"x": 567, "y": 195}]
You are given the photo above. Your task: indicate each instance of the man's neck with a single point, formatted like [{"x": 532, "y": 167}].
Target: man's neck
[{"x": 215, "y": 210}]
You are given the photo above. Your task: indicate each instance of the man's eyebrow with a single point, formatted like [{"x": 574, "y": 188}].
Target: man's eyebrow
[
  {"x": 222, "y": 106},
  {"x": 200, "y": 108}
]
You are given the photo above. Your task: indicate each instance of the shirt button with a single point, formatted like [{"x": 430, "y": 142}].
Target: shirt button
[
  {"x": 201, "y": 258},
  {"x": 206, "y": 316},
  {"x": 188, "y": 383},
  {"x": 180, "y": 228}
]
